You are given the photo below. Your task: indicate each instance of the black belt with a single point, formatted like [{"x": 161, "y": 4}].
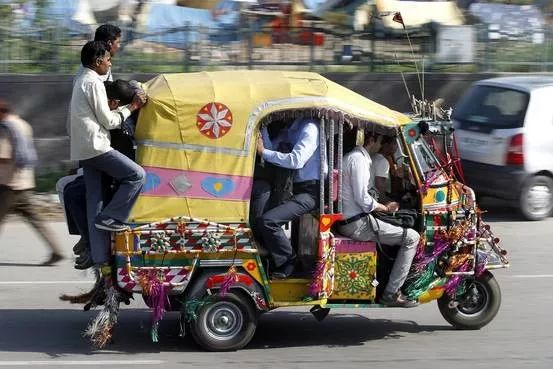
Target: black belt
[
  {"x": 351, "y": 220},
  {"x": 307, "y": 183}
]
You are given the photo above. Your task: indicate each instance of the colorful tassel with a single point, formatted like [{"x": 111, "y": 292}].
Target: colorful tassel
[
  {"x": 100, "y": 329},
  {"x": 231, "y": 277},
  {"x": 192, "y": 307},
  {"x": 156, "y": 295},
  {"x": 316, "y": 285},
  {"x": 453, "y": 283}
]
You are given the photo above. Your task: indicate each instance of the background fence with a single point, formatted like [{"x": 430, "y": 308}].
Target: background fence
[{"x": 53, "y": 49}]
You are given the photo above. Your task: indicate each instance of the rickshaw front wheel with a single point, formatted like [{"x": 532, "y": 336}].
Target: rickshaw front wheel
[
  {"x": 227, "y": 324},
  {"x": 478, "y": 305}
]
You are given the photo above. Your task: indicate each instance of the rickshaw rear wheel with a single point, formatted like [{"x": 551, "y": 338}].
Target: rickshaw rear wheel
[
  {"x": 227, "y": 324},
  {"x": 477, "y": 307}
]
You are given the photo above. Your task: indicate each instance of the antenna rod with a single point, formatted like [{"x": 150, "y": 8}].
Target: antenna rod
[
  {"x": 414, "y": 59},
  {"x": 404, "y": 82}
]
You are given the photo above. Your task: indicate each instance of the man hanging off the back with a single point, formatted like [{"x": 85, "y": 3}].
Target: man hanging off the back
[{"x": 91, "y": 120}]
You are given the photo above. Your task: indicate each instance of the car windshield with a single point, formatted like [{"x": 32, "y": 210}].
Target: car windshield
[
  {"x": 493, "y": 107},
  {"x": 427, "y": 162}
]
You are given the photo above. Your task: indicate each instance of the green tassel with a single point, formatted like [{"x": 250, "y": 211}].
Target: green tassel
[
  {"x": 154, "y": 333},
  {"x": 421, "y": 282},
  {"x": 192, "y": 307}
]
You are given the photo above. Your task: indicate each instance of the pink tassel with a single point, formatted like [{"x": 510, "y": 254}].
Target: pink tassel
[
  {"x": 426, "y": 185},
  {"x": 480, "y": 267},
  {"x": 441, "y": 244},
  {"x": 230, "y": 279},
  {"x": 316, "y": 285},
  {"x": 454, "y": 282},
  {"x": 156, "y": 298}
]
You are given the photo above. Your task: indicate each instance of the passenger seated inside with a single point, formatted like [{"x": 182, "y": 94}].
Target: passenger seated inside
[
  {"x": 304, "y": 159},
  {"x": 359, "y": 224},
  {"x": 272, "y": 184}
]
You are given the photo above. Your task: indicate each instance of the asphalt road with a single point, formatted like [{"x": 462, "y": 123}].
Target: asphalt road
[{"x": 36, "y": 329}]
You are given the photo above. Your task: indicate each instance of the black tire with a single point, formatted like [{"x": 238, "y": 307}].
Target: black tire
[
  {"x": 536, "y": 198},
  {"x": 226, "y": 324},
  {"x": 477, "y": 308}
]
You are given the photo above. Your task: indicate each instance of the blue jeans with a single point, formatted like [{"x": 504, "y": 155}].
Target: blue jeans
[{"x": 129, "y": 176}]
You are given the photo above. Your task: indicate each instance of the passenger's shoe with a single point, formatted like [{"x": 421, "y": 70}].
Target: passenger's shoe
[
  {"x": 284, "y": 271},
  {"x": 84, "y": 261},
  {"x": 397, "y": 300},
  {"x": 79, "y": 247},
  {"x": 54, "y": 258},
  {"x": 110, "y": 224}
]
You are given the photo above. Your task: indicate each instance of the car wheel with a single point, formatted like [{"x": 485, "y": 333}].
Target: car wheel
[{"x": 536, "y": 198}]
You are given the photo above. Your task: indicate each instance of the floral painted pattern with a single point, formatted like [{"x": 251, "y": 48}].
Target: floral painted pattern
[
  {"x": 214, "y": 120},
  {"x": 354, "y": 275}
]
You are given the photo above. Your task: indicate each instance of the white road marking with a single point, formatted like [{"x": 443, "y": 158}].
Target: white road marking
[
  {"x": 532, "y": 276},
  {"x": 78, "y": 362}
]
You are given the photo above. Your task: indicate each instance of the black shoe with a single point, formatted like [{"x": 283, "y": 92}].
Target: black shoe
[
  {"x": 110, "y": 224},
  {"x": 79, "y": 247},
  {"x": 284, "y": 271},
  {"x": 397, "y": 299},
  {"x": 84, "y": 262},
  {"x": 54, "y": 258}
]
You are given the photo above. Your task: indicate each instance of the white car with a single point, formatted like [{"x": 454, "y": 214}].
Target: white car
[{"x": 504, "y": 130}]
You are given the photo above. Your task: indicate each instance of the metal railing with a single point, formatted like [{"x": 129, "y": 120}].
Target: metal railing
[{"x": 54, "y": 49}]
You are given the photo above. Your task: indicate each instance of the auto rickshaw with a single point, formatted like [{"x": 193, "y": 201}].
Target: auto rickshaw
[{"x": 191, "y": 249}]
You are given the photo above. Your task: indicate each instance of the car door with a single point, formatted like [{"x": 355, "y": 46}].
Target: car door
[
  {"x": 538, "y": 136},
  {"x": 487, "y": 119}
]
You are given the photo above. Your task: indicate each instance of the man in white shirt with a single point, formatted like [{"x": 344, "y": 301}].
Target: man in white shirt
[
  {"x": 17, "y": 177},
  {"x": 360, "y": 225},
  {"x": 305, "y": 160},
  {"x": 91, "y": 120},
  {"x": 381, "y": 165}
]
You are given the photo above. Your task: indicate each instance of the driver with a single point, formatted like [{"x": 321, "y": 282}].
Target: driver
[{"x": 360, "y": 225}]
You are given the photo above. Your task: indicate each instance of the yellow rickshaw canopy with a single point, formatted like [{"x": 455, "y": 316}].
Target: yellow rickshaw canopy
[{"x": 197, "y": 133}]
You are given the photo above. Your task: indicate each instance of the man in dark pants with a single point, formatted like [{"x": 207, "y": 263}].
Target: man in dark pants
[
  {"x": 91, "y": 120},
  {"x": 119, "y": 93},
  {"x": 303, "y": 136}
]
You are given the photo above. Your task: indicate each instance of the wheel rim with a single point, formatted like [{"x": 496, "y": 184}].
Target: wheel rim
[
  {"x": 475, "y": 301},
  {"x": 223, "y": 320},
  {"x": 540, "y": 199}
]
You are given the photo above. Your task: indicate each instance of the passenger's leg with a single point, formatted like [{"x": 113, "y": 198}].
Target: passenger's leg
[
  {"x": 99, "y": 240},
  {"x": 130, "y": 177},
  {"x": 271, "y": 226},
  {"x": 371, "y": 229},
  {"x": 261, "y": 192},
  {"x": 75, "y": 201},
  {"x": 392, "y": 235}
]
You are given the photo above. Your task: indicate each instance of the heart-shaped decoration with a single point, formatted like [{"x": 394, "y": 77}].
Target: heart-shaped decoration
[
  {"x": 152, "y": 182},
  {"x": 325, "y": 221},
  {"x": 217, "y": 187}
]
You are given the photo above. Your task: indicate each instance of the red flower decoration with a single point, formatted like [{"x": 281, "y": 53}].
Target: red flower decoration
[
  {"x": 214, "y": 120},
  {"x": 353, "y": 274},
  {"x": 251, "y": 266},
  {"x": 412, "y": 132}
]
